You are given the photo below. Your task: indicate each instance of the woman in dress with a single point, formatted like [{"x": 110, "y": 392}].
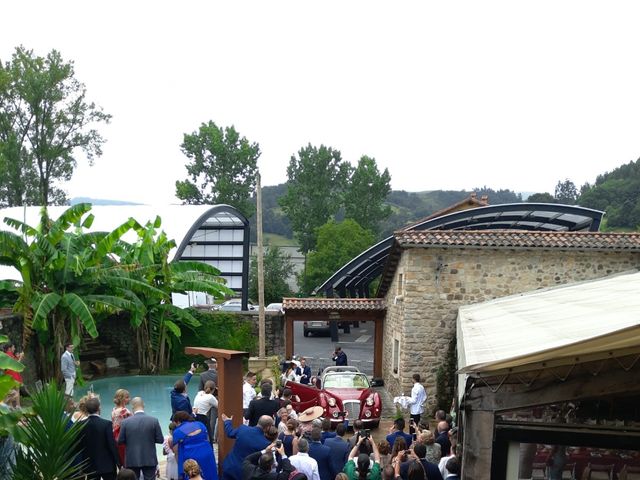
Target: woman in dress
[
  {"x": 190, "y": 441},
  {"x": 118, "y": 414},
  {"x": 202, "y": 405},
  {"x": 290, "y": 373}
]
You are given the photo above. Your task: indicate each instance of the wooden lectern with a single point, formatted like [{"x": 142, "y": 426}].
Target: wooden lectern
[{"x": 230, "y": 381}]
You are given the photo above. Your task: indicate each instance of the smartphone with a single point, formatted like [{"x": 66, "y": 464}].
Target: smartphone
[{"x": 278, "y": 443}]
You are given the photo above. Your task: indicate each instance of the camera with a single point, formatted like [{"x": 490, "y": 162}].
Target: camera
[
  {"x": 365, "y": 433},
  {"x": 278, "y": 443}
]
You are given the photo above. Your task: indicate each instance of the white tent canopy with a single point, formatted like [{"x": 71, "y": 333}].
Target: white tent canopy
[{"x": 572, "y": 322}]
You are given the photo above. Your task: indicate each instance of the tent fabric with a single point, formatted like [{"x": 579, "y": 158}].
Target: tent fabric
[{"x": 574, "y": 320}]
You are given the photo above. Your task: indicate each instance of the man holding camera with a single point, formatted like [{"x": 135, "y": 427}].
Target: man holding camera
[{"x": 259, "y": 465}]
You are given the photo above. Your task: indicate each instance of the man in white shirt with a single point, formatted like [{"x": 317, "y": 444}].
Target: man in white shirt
[
  {"x": 248, "y": 391},
  {"x": 303, "y": 462},
  {"x": 418, "y": 399}
]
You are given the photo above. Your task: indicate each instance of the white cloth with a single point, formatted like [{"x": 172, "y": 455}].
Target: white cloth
[
  {"x": 248, "y": 394},
  {"x": 418, "y": 399},
  {"x": 305, "y": 464},
  {"x": 403, "y": 401},
  {"x": 172, "y": 463},
  {"x": 204, "y": 402}
]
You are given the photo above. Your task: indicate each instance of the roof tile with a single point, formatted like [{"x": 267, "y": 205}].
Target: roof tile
[{"x": 319, "y": 303}]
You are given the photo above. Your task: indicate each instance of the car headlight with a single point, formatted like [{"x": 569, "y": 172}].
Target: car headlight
[
  {"x": 335, "y": 414},
  {"x": 369, "y": 401},
  {"x": 367, "y": 413},
  {"x": 331, "y": 401}
]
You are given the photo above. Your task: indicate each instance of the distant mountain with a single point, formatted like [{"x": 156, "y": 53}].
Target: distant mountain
[{"x": 100, "y": 201}]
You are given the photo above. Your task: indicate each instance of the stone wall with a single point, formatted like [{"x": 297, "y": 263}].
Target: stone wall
[
  {"x": 274, "y": 331},
  {"x": 422, "y": 311}
]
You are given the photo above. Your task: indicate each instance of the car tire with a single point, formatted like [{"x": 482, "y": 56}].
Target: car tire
[{"x": 306, "y": 333}]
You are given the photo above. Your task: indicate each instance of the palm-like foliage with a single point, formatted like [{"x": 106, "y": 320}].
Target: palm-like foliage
[
  {"x": 161, "y": 323},
  {"x": 48, "y": 443},
  {"x": 67, "y": 277}
]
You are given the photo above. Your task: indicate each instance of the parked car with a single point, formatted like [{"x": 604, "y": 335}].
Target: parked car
[
  {"x": 233, "y": 305},
  {"x": 274, "y": 307},
  {"x": 323, "y": 327},
  {"x": 344, "y": 393}
]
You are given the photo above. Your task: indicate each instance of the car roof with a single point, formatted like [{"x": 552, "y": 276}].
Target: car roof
[{"x": 340, "y": 369}]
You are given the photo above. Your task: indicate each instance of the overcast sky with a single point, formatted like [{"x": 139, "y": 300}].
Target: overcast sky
[{"x": 446, "y": 95}]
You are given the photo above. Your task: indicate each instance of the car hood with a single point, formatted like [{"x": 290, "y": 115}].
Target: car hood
[{"x": 348, "y": 393}]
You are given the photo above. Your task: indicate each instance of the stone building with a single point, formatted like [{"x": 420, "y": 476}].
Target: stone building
[{"x": 430, "y": 274}]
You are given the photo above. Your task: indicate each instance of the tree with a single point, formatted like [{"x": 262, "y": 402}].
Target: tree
[
  {"x": 566, "y": 192},
  {"x": 277, "y": 269},
  {"x": 541, "y": 198},
  {"x": 45, "y": 120},
  {"x": 364, "y": 200},
  {"x": 222, "y": 168},
  {"x": 338, "y": 243},
  {"x": 315, "y": 188}
]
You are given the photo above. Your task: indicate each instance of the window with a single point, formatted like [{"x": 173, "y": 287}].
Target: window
[
  {"x": 400, "y": 286},
  {"x": 396, "y": 357}
]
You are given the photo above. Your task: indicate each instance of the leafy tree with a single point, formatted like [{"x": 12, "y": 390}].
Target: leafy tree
[
  {"x": 222, "y": 168},
  {"x": 338, "y": 243},
  {"x": 566, "y": 192},
  {"x": 158, "y": 323},
  {"x": 45, "y": 119},
  {"x": 67, "y": 278},
  {"x": 277, "y": 268},
  {"x": 541, "y": 198},
  {"x": 366, "y": 193},
  {"x": 315, "y": 188}
]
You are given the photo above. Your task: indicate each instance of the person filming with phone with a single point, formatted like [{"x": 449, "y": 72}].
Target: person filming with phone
[{"x": 360, "y": 466}]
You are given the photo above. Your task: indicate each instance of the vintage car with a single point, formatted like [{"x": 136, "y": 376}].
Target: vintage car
[{"x": 344, "y": 393}]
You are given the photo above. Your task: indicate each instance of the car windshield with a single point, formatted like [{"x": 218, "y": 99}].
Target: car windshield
[{"x": 346, "y": 380}]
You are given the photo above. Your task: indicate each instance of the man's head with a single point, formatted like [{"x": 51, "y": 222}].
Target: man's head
[
  {"x": 326, "y": 425},
  {"x": 303, "y": 361},
  {"x": 212, "y": 363},
  {"x": 266, "y": 389},
  {"x": 341, "y": 430},
  {"x": 416, "y": 378},
  {"x": 271, "y": 433},
  {"x": 338, "y": 349},
  {"x": 420, "y": 450},
  {"x": 363, "y": 462},
  {"x": 453, "y": 466},
  {"x": 440, "y": 415},
  {"x": 251, "y": 378},
  {"x": 286, "y": 394},
  {"x": 69, "y": 347},
  {"x": 266, "y": 462},
  {"x": 180, "y": 386},
  {"x": 137, "y": 404},
  {"x": 398, "y": 423},
  {"x": 303, "y": 445},
  {"x": 92, "y": 405},
  {"x": 442, "y": 426},
  {"x": 357, "y": 425},
  {"x": 316, "y": 434},
  {"x": 264, "y": 422}
]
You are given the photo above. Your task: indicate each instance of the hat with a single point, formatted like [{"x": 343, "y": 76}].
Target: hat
[{"x": 311, "y": 414}]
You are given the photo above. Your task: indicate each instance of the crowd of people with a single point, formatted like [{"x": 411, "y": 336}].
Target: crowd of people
[{"x": 273, "y": 442}]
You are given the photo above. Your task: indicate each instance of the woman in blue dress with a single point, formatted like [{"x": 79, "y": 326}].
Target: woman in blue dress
[{"x": 191, "y": 441}]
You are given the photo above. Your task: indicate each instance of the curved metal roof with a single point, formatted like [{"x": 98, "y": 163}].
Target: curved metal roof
[{"x": 354, "y": 278}]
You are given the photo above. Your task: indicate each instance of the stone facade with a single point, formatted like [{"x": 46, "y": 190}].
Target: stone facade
[{"x": 430, "y": 284}]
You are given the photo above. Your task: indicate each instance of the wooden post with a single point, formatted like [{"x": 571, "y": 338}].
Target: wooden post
[
  {"x": 260, "y": 254},
  {"x": 477, "y": 442},
  {"x": 377, "y": 347},
  {"x": 288, "y": 336},
  {"x": 230, "y": 391}
]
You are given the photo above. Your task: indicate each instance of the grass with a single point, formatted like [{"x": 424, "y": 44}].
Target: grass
[{"x": 279, "y": 240}]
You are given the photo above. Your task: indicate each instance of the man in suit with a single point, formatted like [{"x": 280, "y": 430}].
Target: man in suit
[
  {"x": 263, "y": 405},
  {"x": 304, "y": 371},
  {"x": 68, "y": 364},
  {"x": 339, "y": 357},
  {"x": 338, "y": 450},
  {"x": 140, "y": 433},
  {"x": 398, "y": 431},
  {"x": 321, "y": 454},
  {"x": 259, "y": 465},
  {"x": 248, "y": 440},
  {"x": 211, "y": 374},
  {"x": 431, "y": 469},
  {"x": 443, "y": 438},
  {"x": 97, "y": 445}
]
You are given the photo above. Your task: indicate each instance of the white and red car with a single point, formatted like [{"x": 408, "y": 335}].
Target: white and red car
[{"x": 344, "y": 393}]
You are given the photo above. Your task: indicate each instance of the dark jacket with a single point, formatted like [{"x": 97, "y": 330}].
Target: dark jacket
[
  {"x": 321, "y": 454},
  {"x": 140, "y": 433},
  {"x": 261, "y": 406},
  {"x": 392, "y": 438},
  {"x": 206, "y": 376},
  {"x": 304, "y": 371},
  {"x": 340, "y": 359},
  {"x": 98, "y": 447},
  {"x": 251, "y": 470},
  {"x": 179, "y": 401},
  {"x": 338, "y": 453},
  {"x": 445, "y": 444},
  {"x": 248, "y": 440},
  {"x": 326, "y": 435},
  {"x": 431, "y": 469}
]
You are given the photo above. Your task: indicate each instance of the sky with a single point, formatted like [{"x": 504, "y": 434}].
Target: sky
[{"x": 446, "y": 95}]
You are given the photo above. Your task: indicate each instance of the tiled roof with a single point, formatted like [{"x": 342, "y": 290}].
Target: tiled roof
[
  {"x": 520, "y": 239},
  {"x": 343, "y": 304}
]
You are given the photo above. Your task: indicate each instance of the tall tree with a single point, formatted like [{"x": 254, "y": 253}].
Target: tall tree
[
  {"x": 45, "y": 120},
  {"x": 315, "y": 189},
  {"x": 277, "y": 269},
  {"x": 338, "y": 243},
  {"x": 544, "y": 197},
  {"x": 566, "y": 192},
  {"x": 364, "y": 199},
  {"x": 222, "y": 168}
]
